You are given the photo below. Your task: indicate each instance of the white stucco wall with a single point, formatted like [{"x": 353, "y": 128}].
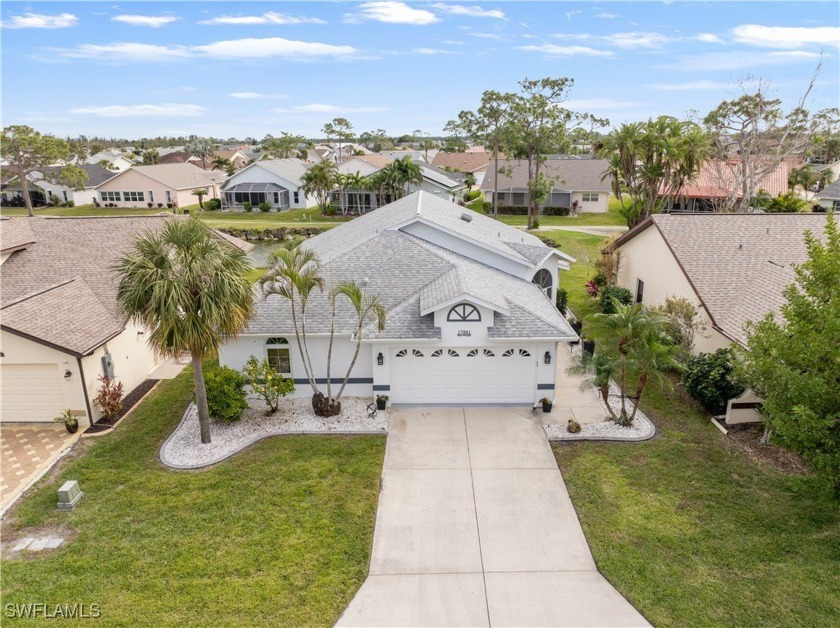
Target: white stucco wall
[
  {"x": 255, "y": 173},
  {"x": 591, "y": 207},
  {"x": 134, "y": 181},
  {"x": 648, "y": 258}
]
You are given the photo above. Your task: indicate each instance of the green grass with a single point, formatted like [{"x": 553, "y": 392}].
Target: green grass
[
  {"x": 584, "y": 248},
  {"x": 695, "y": 533},
  {"x": 280, "y": 534},
  {"x": 83, "y": 210},
  {"x": 255, "y": 220},
  {"x": 611, "y": 219}
]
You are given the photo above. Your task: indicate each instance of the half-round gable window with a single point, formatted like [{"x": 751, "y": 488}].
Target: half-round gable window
[
  {"x": 544, "y": 280},
  {"x": 464, "y": 313},
  {"x": 276, "y": 341}
]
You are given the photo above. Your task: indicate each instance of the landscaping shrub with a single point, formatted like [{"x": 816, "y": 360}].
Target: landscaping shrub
[
  {"x": 247, "y": 206},
  {"x": 150, "y": 205},
  {"x": 109, "y": 397},
  {"x": 708, "y": 378},
  {"x": 225, "y": 394},
  {"x": 611, "y": 294},
  {"x": 160, "y": 205},
  {"x": 71, "y": 203},
  {"x": 522, "y": 210},
  {"x": 472, "y": 195},
  {"x": 487, "y": 206},
  {"x": 266, "y": 382},
  {"x": 562, "y": 300},
  {"x": 265, "y": 207},
  {"x": 213, "y": 204}
]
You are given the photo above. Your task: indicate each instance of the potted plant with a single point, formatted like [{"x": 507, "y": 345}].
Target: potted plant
[
  {"x": 546, "y": 404},
  {"x": 588, "y": 346},
  {"x": 71, "y": 423},
  {"x": 381, "y": 401}
]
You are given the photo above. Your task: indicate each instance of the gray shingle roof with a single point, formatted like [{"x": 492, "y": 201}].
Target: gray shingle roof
[
  {"x": 291, "y": 169},
  {"x": 575, "y": 175},
  {"x": 830, "y": 192},
  {"x": 178, "y": 176},
  {"x": 14, "y": 233},
  {"x": 96, "y": 174}
]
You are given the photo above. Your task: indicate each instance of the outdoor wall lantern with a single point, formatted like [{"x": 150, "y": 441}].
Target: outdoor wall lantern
[
  {"x": 547, "y": 357},
  {"x": 380, "y": 359},
  {"x": 67, "y": 374}
]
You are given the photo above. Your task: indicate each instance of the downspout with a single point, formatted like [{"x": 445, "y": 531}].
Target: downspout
[{"x": 84, "y": 390}]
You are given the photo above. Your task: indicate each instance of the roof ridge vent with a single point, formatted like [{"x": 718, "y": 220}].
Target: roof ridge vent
[{"x": 466, "y": 217}]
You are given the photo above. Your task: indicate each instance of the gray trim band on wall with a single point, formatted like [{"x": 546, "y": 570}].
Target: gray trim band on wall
[
  {"x": 337, "y": 380},
  {"x": 545, "y": 386},
  {"x": 381, "y": 387}
]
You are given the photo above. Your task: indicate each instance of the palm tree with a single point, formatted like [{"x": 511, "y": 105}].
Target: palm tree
[
  {"x": 293, "y": 275},
  {"x": 200, "y": 193},
  {"x": 408, "y": 174},
  {"x": 190, "y": 290},
  {"x": 359, "y": 184},
  {"x": 223, "y": 163},
  {"x": 634, "y": 347},
  {"x": 319, "y": 181},
  {"x": 200, "y": 147},
  {"x": 469, "y": 181}
]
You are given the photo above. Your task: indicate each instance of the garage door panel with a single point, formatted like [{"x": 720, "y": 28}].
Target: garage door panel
[
  {"x": 451, "y": 376},
  {"x": 31, "y": 392}
]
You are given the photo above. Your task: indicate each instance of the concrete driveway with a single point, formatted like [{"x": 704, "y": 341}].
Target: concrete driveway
[{"x": 475, "y": 528}]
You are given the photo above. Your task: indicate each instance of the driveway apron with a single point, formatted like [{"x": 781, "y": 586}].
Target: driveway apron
[{"x": 475, "y": 528}]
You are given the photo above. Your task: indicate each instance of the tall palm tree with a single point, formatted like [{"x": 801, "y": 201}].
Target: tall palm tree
[
  {"x": 408, "y": 173},
  {"x": 190, "y": 290},
  {"x": 636, "y": 347},
  {"x": 319, "y": 181},
  {"x": 359, "y": 184},
  {"x": 223, "y": 163}
]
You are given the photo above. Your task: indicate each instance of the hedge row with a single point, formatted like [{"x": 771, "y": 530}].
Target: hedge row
[
  {"x": 279, "y": 233},
  {"x": 521, "y": 210}
]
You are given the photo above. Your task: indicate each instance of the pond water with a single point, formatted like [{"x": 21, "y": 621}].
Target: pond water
[{"x": 259, "y": 254}]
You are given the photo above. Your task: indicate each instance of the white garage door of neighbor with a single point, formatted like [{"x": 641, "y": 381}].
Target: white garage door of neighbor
[
  {"x": 31, "y": 392},
  {"x": 463, "y": 375}
]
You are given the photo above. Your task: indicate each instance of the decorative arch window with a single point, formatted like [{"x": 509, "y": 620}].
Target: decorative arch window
[
  {"x": 402, "y": 353},
  {"x": 453, "y": 354},
  {"x": 524, "y": 353},
  {"x": 416, "y": 353},
  {"x": 278, "y": 355},
  {"x": 544, "y": 280},
  {"x": 473, "y": 353},
  {"x": 437, "y": 353},
  {"x": 508, "y": 353},
  {"x": 464, "y": 313},
  {"x": 489, "y": 354}
]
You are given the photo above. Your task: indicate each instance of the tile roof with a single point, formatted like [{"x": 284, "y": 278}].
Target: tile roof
[
  {"x": 715, "y": 179},
  {"x": 96, "y": 174},
  {"x": 464, "y": 162},
  {"x": 178, "y": 176},
  {"x": 739, "y": 264},
  {"x": 575, "y": 175},
  {"x": 66, "y": 276}
]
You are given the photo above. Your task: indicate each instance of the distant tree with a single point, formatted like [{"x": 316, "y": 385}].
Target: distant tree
[
  {"x": 151, "y": 157},
  {"x": 200, "y": 147},
  {"x": 782, "y": 204},
  {"x": 96, "y": 147},
  {"x": 469, "y": 180},
  {"x": 458, "y": 133},
  {"x": 401, "y": 174},
  {"x": 341, "y": 130},
  {"x": 190, "y": 290},
  {"x": 376, "y": 141},
  {"x": 26, "y": 152},
  {"x": 826, "y": 138},
  {"x": 319, "y": 181},
  {"x": 283, "y": 147},
  {"x": 791, "y": 361},
  {"x": 225, "y": 164},
  {"x": 200, "y": 193}
]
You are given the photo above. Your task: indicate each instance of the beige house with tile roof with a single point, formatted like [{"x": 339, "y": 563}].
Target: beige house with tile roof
[
  {"x": 60, "y": 328},
  {"x": 733, "y": 267},
  {"x": 161, "y": 185}
]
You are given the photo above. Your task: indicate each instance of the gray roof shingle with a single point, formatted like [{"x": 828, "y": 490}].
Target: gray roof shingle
[{"x": 575, "y": 175}]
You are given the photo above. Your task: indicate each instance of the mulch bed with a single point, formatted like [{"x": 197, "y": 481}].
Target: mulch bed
[
  {"x": 748, "y": 441},
  {"x": 129, "y": 401}
]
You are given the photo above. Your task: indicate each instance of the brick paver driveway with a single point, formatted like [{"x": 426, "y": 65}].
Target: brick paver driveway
[{"x": 475, "y": 528}]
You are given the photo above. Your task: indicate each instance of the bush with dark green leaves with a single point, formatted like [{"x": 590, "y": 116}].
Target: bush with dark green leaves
[
  {"x": 562, "y": 300},
  {"x": 708, "y": 378},
  {"x": 225, "y": 394},
  {"x": 611, "y": 294},
  {"x": 213, "y": 204},
  {"x": 265, "y": 207}
]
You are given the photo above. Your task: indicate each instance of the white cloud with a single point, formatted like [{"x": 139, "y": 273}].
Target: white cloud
[
  {"x": 269, "y": 17},
  {"x": 250, "y": 48},
  {"x": 391, "y": 12},
  {"x": 39, "y": 20},
  {"x": 254, "y": 95},
  {"x": 152, "y": 21},
  {"x": 567, "y": 51},
  {"x": 597, "y": 104},
  {"x": 325, "y": 108},
  {"x": 469, "y": 11},
  {"x": 451, "y": 42},
  {"x": 709, "y": 38},
  {"x": 689, "y": 86},
  {"x": 132, "y": 111},
  {"x": 430, "y": 51},
  {"x": 786, "y": 36},
  {"x": 606, "y": 16},
  {"x": 571, "y": 14},
  {"x": 637, "y": 40},
  {"x": 741, "y": 60},
  {"x": 487, "y": 35}
]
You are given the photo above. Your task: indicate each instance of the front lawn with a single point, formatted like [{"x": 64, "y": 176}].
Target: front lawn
[
  {"x": 311, "y": 217},
  {"x": 696, "y": 533},
  {"x": 611, "y": 219},
  {"x": 584, "y": 248},
  {"x": 83, "y": 210},
  {"x": 279, "y": 534}
]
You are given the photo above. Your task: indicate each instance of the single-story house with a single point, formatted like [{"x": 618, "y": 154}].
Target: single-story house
[
  {"x": 471, "y": 315},
  {"x": 833, "y": 168},
  {"x": 275, "y": 181},
  {"x": 477, "y": 163},
  {"x": 733, "y": 267},
  {"x": 97, "y": 175},
  {"x": 578, "y": 184},
  {"x": 60, "y": 328},
  {"x": 829, "y": 196},
  {"x": 715, "y": 181},
  {"x": 163, "y": 185},
  {"x": 236, "y": 157},
  {"x": 116, "y": 161}
]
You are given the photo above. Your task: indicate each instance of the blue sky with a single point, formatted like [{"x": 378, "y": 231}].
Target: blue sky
[{"x": 250, "y": 68}]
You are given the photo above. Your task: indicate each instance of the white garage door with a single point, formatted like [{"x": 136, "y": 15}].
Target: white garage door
[
  {"x": 31, "y": 392},
  {"x": 463, "y": 375}
]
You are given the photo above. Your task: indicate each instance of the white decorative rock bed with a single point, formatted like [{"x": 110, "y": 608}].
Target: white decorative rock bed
[
  {"x": 183, "y": 449},
  {"x": 641, "y": 429}
]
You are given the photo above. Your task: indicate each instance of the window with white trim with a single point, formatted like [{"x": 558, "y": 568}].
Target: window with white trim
[
  {"x": 133, "y": 197},
  {"x": 110, "y": 197},
  {"x": 464, "y": 313},
  {"x": 296, "y": 196},
  {"x": 589, "y": 197},
  {"x": 278, "y": 355},
  {"x": 168, "y": 196},
  {"x": 151, "y": 196}
]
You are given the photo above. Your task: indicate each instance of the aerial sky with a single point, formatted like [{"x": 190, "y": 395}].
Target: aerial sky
[{"x": 239, "y": 69}]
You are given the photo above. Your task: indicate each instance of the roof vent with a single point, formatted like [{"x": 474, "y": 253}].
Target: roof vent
[
  {"x": 740, "y": 247},
  {"x": 466, "y": 217}
]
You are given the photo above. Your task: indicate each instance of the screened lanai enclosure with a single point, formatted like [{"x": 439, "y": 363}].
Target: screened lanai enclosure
[{"x": 256, "y": 193}]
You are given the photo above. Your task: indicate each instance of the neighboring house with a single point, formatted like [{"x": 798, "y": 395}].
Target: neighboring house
[
  {"x": 476, "y": 162},
  {"x": 829, "y": 196},
  {"x": 274, "y": 181},
  {"x": 60, "y": 328},
  {"x": 714, "y": 184},
  {"x": 181, "y": 157},
  {"x": 833, "y": 167},
  {"x": 471, "y": 316},
  {"x": 733, "y": 267},
  {"x": 238, "y": 158},
  {"x": 162, "y": 184},
  {"x": 116, "y": 161},
  {"x": 97, "y": 175},
  {"x": 577, "y": 184}
]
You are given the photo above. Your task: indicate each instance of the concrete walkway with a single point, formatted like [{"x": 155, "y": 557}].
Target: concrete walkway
[{"x": 475, "y": 528}]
